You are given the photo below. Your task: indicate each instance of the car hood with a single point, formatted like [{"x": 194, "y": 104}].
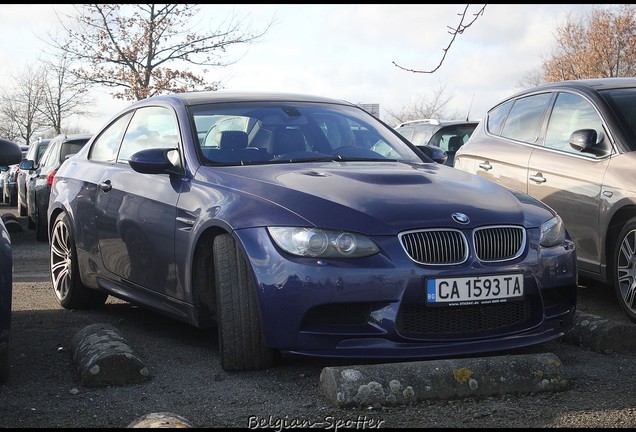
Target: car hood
[{"x": 379, "y": 198}]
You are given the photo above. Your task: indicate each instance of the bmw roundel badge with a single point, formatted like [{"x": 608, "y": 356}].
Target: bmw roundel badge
[{"x": 460, "y": 218}]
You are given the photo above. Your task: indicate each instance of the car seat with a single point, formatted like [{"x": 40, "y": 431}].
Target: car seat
[
  {"x": 454, "y": 143},
  {"x": 287, "y": 140},
  {"x": 233, "y": 140}
]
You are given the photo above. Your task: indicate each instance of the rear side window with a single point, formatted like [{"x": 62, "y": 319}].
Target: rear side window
[
  {"x": 422, "y": 135},
  {"x": 70, "y": 148},
  {"x": 524, "y": 121},
  {"x": 496, "y": 118},
  {"x": 406, "y": 132},
  {"x": 443, "y": 137},
  {"x": 47, "y": 157},
  {"x": 41, "y": 150}
]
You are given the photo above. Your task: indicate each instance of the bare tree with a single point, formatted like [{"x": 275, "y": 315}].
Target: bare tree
[
  {"x": 434, "y": 106},
  {"x": 8, "y": 129},
  {"x": 531, "y": 79},
  {"x": 600, "y": 44},
  {"x": 130, "y": 47},
  {"x": 454, "y": 32},
  {"x": 21, "y": 106},
  {"x": 64, "y": 95}
]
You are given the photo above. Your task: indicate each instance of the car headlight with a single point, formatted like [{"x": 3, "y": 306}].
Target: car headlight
[
  {"x": 318, "y": 243},
  {"x": 552, "y": 232}
]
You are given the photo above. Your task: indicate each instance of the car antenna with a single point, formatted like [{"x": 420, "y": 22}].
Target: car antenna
[{"x": 471, "y": 105}]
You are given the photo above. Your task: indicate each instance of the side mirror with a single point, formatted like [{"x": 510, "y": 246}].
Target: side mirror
[
  {"x": 10, "y": 152},
  {"x": 156, "y": 161},
  {"x": 435, "y": 153},
  {"x": 583, "y": 139}
]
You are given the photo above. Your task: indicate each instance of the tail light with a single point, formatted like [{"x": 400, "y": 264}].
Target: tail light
[{"x": 49, "y": 179}]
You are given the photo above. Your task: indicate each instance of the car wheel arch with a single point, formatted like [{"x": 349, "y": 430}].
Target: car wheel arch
[
  {"x": 66, "y": 276},
  {"x": 623, "y": 257},
  {"x": 618, "y": 220},
  {"x": 240, "y": 329},
  {"x": 201, "y": 263},
  {"x": 54, "y": 214}
]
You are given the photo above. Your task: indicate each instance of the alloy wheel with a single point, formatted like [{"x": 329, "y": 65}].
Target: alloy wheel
[
  {"x": 61, "y": 260},
  {"x": 626, "y": 270}
]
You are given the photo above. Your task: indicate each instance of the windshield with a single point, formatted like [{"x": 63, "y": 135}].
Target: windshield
[
  {"x": 253, "y": 133},
  {"x": 623, "y": 101}
]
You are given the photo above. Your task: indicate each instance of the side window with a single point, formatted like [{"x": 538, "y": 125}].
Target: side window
[
  {"x": 570, "y": 113},
  {"x": 46, "y": 155},
  {"x": 421, "y": 136},
  {"x": 47, "y": 158},
  {"x": 70, "y": 148},
  {"x": 150, "y": 127},
  {"x": 104, "y": 148},
  {"x": 524, "y": 121},
  {"x": 41, "y": 151},
  {"x": 406, "y": 132},
  {"x": 496, "y": 118}
]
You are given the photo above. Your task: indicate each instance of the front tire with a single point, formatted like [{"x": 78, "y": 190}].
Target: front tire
[
  {"x": 238, "y": 319},
  {"x": 65, "y": 275},
  {"x": 625, "y": 268}
]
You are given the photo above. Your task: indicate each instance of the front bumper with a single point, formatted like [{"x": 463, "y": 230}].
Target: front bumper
[{"x": 375, "y": 307}]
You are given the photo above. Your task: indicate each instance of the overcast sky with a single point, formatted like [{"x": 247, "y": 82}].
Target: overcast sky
[{"x": 347, "y": 51}]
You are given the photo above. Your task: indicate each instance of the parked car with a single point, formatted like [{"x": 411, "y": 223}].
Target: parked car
[
  {"x": 572, "y": 145},
  {"x": 26, "y": 169},
  {"x": 3, "y": 169},
  {"x": 307, "y": 227},
  {"x": 449, "y": 135},
  {"x": 10, "y": 185},
  {"x": 39, "y": 183},
  {"x": 10, "y": 154}
]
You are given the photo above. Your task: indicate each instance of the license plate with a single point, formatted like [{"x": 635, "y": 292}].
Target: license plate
[{"x": 473, "y": 290}]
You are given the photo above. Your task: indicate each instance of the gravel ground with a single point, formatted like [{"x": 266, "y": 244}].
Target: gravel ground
[{"x": 45, "y": 391}]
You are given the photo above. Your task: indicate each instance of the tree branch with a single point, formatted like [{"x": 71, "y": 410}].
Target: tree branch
[{"x": 454, "y": 32}]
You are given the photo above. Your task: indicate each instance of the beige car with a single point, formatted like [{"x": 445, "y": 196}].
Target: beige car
[{"x": 571, "y": 145}]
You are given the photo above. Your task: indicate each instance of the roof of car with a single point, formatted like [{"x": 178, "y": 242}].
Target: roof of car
[
  {"x": 72, "y": 137},
  {"x": 591, "y": 83},
  {"x": 195, "y": 98}
]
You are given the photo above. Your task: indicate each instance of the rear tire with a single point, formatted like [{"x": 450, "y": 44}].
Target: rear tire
[
  {"x": 238, "y": 319},
  {"x": 65, "y": 275},
  {"x": 624, "y": 269}
]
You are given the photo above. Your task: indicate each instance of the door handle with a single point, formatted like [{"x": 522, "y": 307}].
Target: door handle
[
  {"x": 105, "y": 186},
  {"x": 485, "y": 165},
  {"x": 537, "y": 178}
]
